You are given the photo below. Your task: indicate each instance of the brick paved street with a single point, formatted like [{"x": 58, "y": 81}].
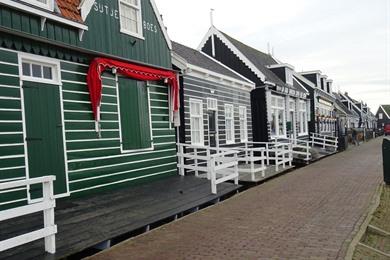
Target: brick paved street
[{"x": 310, "y": 213}]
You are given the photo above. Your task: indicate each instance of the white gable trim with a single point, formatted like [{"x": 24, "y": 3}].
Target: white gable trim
[
  {"x": 85, "y": 7},
  {"x": 302, "y": 78},
  {"x": 162, "y": 26},
  {"x": 226, "y": 67},
  {"x": 299, "y": 83},
  {"x": 241, "y": 56},
  {"x": 384, "y": 111},
  {"x": 48, "y": 15},
  {"x": 196, "y": 71}
]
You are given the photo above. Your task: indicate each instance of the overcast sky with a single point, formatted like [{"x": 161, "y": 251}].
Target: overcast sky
[{"x": 347, "y": 40}]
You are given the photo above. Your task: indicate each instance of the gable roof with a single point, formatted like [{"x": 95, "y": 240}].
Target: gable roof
[
  {"x": 386, "y": 110},
  {"x": 201, "y": 60},
  {"x": 258, "y": 58}
]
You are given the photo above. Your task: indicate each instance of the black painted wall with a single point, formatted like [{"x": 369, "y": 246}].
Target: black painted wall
[
  {"x": 224, "y": 55},
  {"x": 312, "y": 78},
  {"x": 280, "y": 72},
  {"x": 259, "y": 115}
]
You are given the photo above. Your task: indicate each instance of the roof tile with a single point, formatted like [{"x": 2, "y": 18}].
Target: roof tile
[{"x": 69, "y": 9}]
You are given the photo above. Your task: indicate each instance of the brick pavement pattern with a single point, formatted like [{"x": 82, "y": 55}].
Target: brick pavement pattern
[{"x": 310, "y": 213}]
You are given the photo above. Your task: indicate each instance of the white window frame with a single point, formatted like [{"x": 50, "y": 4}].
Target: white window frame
[
  {"x": 302, "y": 114},
  {"x": 200, "y": 117},
  {"x": 41, "y": 61},
  {"x": 380, "y": 116},
  {"x": 212, "y": 101},
  {"x": 229, "y": 139},
  {"x": 276, "y": 108},
  {"x": 48, "y": 6},
  {"x": 243, "y": 123},
  {"x": 289, "y": 77},
  {"x": 139, "y": 18}
]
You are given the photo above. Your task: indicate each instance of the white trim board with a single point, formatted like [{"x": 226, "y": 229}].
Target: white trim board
[
  {"x": 214, "y": 31},
  {"x": 162, "y": 26},
  {"x": 44, "y": 14},
  {"x": 199, "y": 72},
  {"x": 384, "y": 111}
]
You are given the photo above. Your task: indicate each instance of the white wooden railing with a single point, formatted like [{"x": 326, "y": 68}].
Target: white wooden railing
[
  {"x": 251, "y": 155},
  {"x": 301, "y": 148},
  {"x": 47, "y": 205},
  {"x": 219, "y": 164},
  {"x": 283, "y": 155},
  {"x": 223, "y": 167},
  {"x": 324, "y": 141}
]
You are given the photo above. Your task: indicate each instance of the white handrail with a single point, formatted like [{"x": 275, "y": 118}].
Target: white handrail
[{"x": 47, "y": 205}]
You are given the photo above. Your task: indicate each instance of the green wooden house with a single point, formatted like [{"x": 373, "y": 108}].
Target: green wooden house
[{"x": 47, "y": 122}]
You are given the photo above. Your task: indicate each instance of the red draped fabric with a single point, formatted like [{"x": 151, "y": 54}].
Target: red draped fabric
[{"x": 138, "y": 72}]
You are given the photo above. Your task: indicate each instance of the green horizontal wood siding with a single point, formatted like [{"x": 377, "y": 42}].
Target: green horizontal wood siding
[
  {"x": 97, "y": 163},
  {"x": 12, "y": 153},
  {"x": 103, "y": 35}
]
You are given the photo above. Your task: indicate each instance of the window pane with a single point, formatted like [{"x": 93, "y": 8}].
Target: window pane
[
  {"x": 36, "y": 70},
  {"x": 26, "y": 68},
  {"x": 47, "y": 73},
  {"x": 273, "y": 122},
  {"x": 281, "y": 122}
]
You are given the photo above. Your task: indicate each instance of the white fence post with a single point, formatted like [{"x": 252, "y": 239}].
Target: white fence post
[
  {"x": 213, "y": 176},
  {"x": 196, "y": 162},
  {"x": 208, "y": 163},
  {"x": 181, "y": 159},
  {"x": 252, "y": 165},
  {"x": 236, "y": 169},
  {"x": 262, "y": 164},
  {"x": 48, "y": 217}
]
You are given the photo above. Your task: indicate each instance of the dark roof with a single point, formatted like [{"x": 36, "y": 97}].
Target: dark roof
[
  {"x": 298, "y": 86},
  {"x": 259, "y": 59},
  {"x": 386, "y": 108},
  {"x": 69, "y": 9},
  {"x": 341, "y": 105},
  {"x": 196, "y": 58}
]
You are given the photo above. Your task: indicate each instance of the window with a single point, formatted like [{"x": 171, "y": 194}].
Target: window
[
  {"x": 196, "y": 122},
  {"x": 130, "y": 17},
  {"x": 243, "y": 124},
  {"x": 278, "y": 118},
  {"x": 39, "y": 69},
  {"x": 135, "y": 118},
  {"x": 212, "y": 104},
  {"x": 302, "y": 118},
  {"x": 46, "y": 4},
  {"x": 229, "y": 123},
  {"x": 380, "y": 115}
]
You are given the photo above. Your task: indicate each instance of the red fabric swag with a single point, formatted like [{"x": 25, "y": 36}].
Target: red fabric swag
[{"x": 138, "y": 72}]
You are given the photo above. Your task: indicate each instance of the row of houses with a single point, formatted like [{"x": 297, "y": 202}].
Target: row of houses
[{"x": 96, "y": 94}]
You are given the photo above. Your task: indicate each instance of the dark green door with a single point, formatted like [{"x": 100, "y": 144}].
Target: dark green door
[{"x": 44, "y": 135}]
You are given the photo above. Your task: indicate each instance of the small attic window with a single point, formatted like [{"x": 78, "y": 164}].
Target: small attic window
[
  {"x": 289, "y": 76},
  {"x": 131, "y": 17},
  {"x": 45, "y": 4}
]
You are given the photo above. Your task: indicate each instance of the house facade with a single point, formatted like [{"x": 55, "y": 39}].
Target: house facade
[
  {"x": 216, "y": 109},
  {"x": 87, "y": 93},
  {"x": 280, "y": 104},
  {"x": 323, "y": 115},
  {"x": 383, "y": 116}
]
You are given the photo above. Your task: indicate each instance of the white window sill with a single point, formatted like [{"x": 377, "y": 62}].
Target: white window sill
[
  {"x": 139, "y": 36},
  {"x": 231, "y": 142}
]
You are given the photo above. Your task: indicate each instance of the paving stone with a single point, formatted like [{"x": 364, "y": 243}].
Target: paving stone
[{"x": 310, "y": 213}]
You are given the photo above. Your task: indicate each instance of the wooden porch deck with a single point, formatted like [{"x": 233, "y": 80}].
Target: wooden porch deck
[
  {"x": 85, "y": 222},
  {"x": 270, "y": 172}
]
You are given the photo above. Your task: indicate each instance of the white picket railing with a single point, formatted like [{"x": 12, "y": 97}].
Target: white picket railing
[
  {"x": 283, "y": 155},
  {"x": 219, "y": 164},
  {"x": 251, "y": 155},
  {"x": 223, "y": 167},
  {"x": 324, "y": 141},
  {"x": 47, "y": 205},
  {"x": 301, "y": 148}
]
